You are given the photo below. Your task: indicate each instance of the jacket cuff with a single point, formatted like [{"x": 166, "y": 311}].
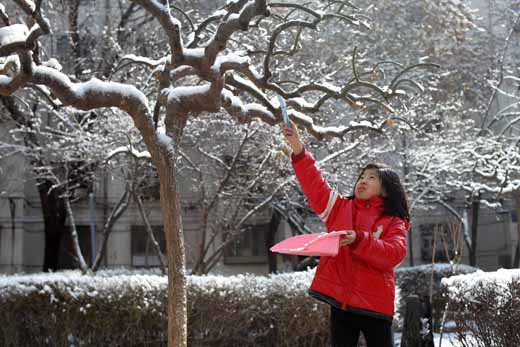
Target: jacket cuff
[
  {"x": 360, "y": 236},
  {"x": 299, "y": 156}
]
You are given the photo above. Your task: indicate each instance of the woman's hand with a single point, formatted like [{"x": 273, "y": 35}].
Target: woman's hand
[
  {"x": 349, "y": 238},
  {"x": 292, "y": 136}
]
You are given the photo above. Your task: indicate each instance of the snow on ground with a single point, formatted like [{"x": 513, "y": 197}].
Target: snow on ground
[{"x": 448, "y": 340}]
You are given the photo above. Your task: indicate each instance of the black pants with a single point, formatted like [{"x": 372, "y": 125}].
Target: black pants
[{"x": 345, "y": 328}]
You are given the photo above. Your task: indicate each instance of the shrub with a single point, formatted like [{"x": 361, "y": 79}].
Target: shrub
[
  {"x": 484, "y": 307},
  {"x": 129, "y": 308},
  {"x": 66, "y": 308},
  {"x": 246, "y": 310},
  {"x": 416, "y": 281}
]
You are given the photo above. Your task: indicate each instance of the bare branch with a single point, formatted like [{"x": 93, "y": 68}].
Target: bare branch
[
  {"x": 8, "y": 85},
  {"x": 396, "y": 79},
  {"x": 272, "y": 41},
  {"x": 200, "y": 28},
  {"x": 34, "y": 10},
  {"x": 149, "y": 231},
  {"x": 172, "y": 28},
  {"x": 501, "y": 75},
  {"x": 233, "y": 23},
  {"x": 208, "y": 155},
  {"x": 3, "y": 16},
  {"x": 119, "y": 208},
  {"x": 188, "y": 18}
]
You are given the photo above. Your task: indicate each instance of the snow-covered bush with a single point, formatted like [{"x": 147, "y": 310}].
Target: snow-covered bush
[
  {"x": 416, "y": 280},
  {"x": 484, "y": 307},
  {"x": 67, "y": 308},
  {"x": 247, "y": 310},
  {"x": 127, "y": 308}
]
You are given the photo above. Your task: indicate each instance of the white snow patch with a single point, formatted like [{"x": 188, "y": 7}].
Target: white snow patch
[
  {"x": 13, "y": 33},
  {"x": 471, "y": 281},
  {"x": 53, "y": 64},
  {"x": 128, "y": 150}
]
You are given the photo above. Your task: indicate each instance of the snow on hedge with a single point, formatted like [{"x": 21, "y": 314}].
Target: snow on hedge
[
  {"x": 78, "y": 285},
  {"x": 441, "y": 267},
  {"x": 110, "y": 281},
  {"x": 463, "y": 285},
  {"x": 296, "y": 283}
]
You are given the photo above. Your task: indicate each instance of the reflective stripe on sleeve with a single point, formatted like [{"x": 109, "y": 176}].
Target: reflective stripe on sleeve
[{"x": 332, "y": 200}]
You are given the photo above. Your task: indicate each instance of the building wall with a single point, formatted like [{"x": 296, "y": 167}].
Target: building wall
[
  {"x": 11, "y": 202},
  {"x": 495, "y": 241}
]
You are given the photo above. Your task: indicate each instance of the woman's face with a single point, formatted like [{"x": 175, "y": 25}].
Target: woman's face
[{"x": 368, "y": 185}]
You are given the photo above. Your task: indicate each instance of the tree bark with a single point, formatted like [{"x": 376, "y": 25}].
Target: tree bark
[
  {"x": 177, "y": 312},
  {"x": 73, "y": 14},
  {"x": 165, "y": 161},
  {"x": 410, "y": 246},
  {"x": 117, "y": 211},
  {"x": 270, "y": 238},
  {"x": 418, "y": 313},
  {"x": 149, "y": 231},
  {"x": 74, "y": 235},
  {"x": 475, "y": 207},
  {"x": 54, "y": 217},
  {"x": 516, "y": 260}
]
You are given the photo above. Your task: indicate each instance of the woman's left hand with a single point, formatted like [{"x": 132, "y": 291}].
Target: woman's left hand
[{"x": 348, "y": 239}]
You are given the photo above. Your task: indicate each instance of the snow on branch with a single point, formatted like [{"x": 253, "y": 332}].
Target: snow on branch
[
  {"x": 132, "y": 59},
  {"x": 245, "y": 113},
  {"x": 128, "y": 150},
  {"x": 93, "y": 93},
  {"x": 13, "y": 38}
]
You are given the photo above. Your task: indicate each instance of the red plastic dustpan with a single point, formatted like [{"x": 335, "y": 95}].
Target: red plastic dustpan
[{"x": 322, "y": 244}]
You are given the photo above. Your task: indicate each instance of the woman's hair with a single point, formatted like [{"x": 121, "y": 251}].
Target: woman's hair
[{"x": 395, "y": 200}]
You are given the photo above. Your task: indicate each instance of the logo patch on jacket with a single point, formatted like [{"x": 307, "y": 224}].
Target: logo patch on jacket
[{"x": 378, "y": 231}]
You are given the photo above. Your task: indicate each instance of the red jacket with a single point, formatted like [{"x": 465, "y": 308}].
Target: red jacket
[{"x": 360, "y": 278}]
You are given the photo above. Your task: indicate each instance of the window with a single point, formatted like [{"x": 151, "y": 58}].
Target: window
[
  {"x": 143, "y": 251},
  {"x": 444, "y": 241},
  {"x": 150, "y": 186},
  {"x": 249, "y": 247}
]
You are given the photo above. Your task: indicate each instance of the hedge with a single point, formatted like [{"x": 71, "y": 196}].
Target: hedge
[
  {"x": 485, "y": 307},
  {"x": 124, "y": 308},
  {"x": 128, "y": 308},
  {"x": 416, "y": 281}
]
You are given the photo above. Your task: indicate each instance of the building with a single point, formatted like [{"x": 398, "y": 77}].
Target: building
[{"x": 21, "y": 235}]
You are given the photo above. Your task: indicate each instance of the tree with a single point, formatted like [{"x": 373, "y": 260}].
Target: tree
[
  {"x": 65, "y": 126},
  {"x": 215, "y": 77}
]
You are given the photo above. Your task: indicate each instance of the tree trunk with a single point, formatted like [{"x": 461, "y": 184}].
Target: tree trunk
[
  {"x": 516, "y": 260},
  {"x": 74, "y": 236},
  {"x": 117, "y": 211},
  {"x": 54, "y": 216},
  {"x": 269, "y": 240},
  {"x": 475, "y": 207},
  {"x": 410, "y": 247},
  {"x": 417, "y": 328},
  {"x": 149, "y": 231},
  {"x": 177, "y": 298},
  {"x": 73, "y": 14}
]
